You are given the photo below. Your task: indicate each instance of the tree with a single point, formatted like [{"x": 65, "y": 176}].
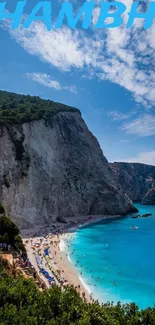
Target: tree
[{"x": 9, "y": 233}]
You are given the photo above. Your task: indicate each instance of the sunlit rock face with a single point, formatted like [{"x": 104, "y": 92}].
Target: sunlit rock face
[
  {"x": 56, "y": 168},
  {"x": 149, "y": 198},
  {"x": 136, "y": 180}
]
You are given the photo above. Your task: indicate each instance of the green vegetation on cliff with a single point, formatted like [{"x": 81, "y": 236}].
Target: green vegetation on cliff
[
  {"x": 9, "y": 234},
  {"x": 22, "y": 303},
  {"x": 17, "y": 109}
]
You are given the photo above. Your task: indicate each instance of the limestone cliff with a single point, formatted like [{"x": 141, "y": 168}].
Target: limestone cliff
[
  {"x": 149, "y": 198},
  {"x": 136, "y": 180},
  {"x": 55, "y": 167}
]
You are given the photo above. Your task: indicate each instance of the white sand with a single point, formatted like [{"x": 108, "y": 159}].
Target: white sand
[{"x": 59, "y": 249}]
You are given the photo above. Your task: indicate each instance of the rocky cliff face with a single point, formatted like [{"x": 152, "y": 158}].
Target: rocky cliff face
[
  {"x": 149, "y": 198},
  {"x": 136, "y": 180},
  {"x": 53, "y": 169}
]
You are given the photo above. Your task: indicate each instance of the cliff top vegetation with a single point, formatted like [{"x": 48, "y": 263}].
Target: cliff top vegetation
[
  {"x": 9, "y": 233},
  {"x": 18, "y": 109}
]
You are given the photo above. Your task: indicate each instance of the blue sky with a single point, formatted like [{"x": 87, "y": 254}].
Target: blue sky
[{"x": 108, "y": 74}]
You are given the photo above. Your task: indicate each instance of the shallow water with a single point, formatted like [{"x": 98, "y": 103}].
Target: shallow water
[{"x": 118, "y": 263}]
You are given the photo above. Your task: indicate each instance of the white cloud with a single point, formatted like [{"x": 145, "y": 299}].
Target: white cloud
[
  {"x": 47, "y": 81},
  {"x": 124, "y": 141},
  {"x": 118, "y": 116},
  {"x": 141, "y": 126},
  {"x": 147, "y": 157},
  {"x": 123, "y": 56},
  {"x": 61, "y": 48}
]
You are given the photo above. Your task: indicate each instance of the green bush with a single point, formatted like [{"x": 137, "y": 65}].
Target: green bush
[
  {"x": 17, "y": 109},
  {"x": 19, "y": 244},
  {"x": 22, "y": 303},
  {"x": 9, "y": 233}
]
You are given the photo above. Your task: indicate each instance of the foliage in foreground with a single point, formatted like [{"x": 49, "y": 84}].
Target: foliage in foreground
[
  {"x": 9, "y": 234},
  {"x": 22, "y": 303},
  {"x": 18, "y": 109}
]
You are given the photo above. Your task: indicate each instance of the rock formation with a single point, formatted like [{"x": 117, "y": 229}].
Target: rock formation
[
  {"x": 149, "y": 198},
  {"x": 55, "y": 167},
  {"x": 136, "y": 180}
]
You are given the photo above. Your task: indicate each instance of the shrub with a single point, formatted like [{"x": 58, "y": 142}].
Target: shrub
[{"x": 18, "y": 109}]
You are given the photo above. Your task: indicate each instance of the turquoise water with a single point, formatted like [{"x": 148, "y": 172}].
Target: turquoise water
[{"x": 118, "y": 263}]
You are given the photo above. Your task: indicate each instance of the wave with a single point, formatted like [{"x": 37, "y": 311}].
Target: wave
[
  {"x": 62, "y": 245},
  {"x": 85, "y": 285},
  {"x": 69, "y": 259}
]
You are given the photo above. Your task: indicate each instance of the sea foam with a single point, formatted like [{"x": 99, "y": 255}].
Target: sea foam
[
  {"x": 85, "y": 285},
  {"x": 62, "y": 245}
]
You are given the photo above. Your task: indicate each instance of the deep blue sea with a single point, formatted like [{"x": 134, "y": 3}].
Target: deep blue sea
[{"x": 118, "y": 263}]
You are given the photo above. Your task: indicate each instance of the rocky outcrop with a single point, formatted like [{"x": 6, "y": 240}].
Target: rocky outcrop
[
  {"x": 136, "y": 180},
  {"x": 149, "y": 198},
  {"x": 56, "y": 169}
]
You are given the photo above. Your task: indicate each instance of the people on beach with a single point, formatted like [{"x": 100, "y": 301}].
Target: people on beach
[{"x": 57, "y": 259}]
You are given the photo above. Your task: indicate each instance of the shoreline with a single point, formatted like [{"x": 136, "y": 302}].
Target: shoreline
[
  {"x": 66, "y": 256},
  {"x": 61, "y": 259},
  {"x": 66, "y": 267}
]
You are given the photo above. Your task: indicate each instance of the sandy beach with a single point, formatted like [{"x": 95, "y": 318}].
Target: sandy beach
[{"x": 55, "y": 240}]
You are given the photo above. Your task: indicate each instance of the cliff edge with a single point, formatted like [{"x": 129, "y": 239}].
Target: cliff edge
[
  {"x": 136, "y": 180},
  {"x": 52, "y": 165}
]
